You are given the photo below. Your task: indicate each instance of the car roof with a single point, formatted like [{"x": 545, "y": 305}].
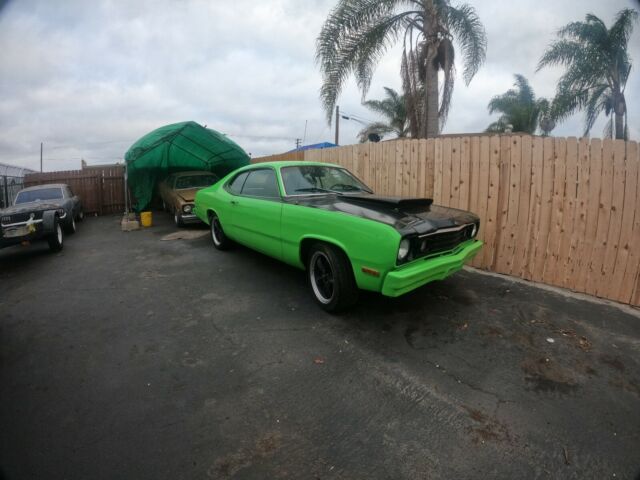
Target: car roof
[
  {"x": 289, "y": 163},
  {"x": 48, "y": 185}
]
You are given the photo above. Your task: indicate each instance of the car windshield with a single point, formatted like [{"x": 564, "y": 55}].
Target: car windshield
[
  {"x": 195, "y": 181},
  {"x": 310, "y": 179},
  {"x": 27, "y": 196}
]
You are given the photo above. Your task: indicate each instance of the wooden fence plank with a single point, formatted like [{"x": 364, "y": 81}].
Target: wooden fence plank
[
  {"x": 430, "y": 171},
  {"x": 576, "y": 261},
  {"x": 474, "y": 175},
  {"x": 439, "y": 171},
  {"x": 593, "y": 206},
  {"x": 465, "y": 173},
  {"x": 567, "y": 218},
  {"x": 535, "y": 206},
  {"x": 484, "y": 155},
  {"x": 503, "y": 202},
  {"x": 604, "y": 213},
  {"x": 615, "y": 219},
  {"x": 557, "y": 217},
  {"x": 454, "y": 192},
  {"x": 546, "y": 200},
  {"x": 632, "y": 269},
  {"x": 447, "y": 171},
  {"x": 391, "y": 167},
  {"x": 492, "y": 226},
  {"x": 616, "y": 289},
  {"x": 520, "y": 229},
  {"x": 421, "y": 188},
  {"x": 515, "y": 167}
]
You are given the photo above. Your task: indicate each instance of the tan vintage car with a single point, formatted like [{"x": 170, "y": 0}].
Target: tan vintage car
[{"x": 178, "y": 192}]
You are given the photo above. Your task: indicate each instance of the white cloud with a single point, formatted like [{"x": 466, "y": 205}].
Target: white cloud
[{"x": 89, "y": 78}]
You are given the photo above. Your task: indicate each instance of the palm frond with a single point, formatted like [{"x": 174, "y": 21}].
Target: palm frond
[
  {"x": 351, "y": 40},
  {"x": 560, "y": 52},
  {"x": 470, "y": 35}
]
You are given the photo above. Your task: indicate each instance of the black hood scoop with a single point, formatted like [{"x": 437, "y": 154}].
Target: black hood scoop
[{"x": 390, "y": 202}]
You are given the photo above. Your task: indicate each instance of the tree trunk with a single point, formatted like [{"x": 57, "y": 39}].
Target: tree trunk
[
  {"x": 431, "y": 119},
  {"x": 432, "y": 124},
  {"x": 620, "y": 108}
]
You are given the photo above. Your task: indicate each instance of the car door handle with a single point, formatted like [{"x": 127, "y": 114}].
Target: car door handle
[{"x": 234, "y": 202}]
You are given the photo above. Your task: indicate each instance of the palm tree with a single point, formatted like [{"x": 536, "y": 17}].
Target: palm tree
[
  {"x": 597, "y": 67},
  {"x": 392, "y": 107},
  {"x": 358, "y": 32},
  {"x": 520, "y": 110}
]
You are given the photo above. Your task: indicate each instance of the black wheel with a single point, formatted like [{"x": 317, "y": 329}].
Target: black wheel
[
  {"x": 56, "y": 239},
  {"x": 331, "y": 278},
  {"x": 177, "y": 218},
  {"x": 219, "y": 239},
  {"x": 70, "y": 227}
]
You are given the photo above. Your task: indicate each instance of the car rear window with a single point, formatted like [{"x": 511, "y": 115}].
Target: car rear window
[{"x": 39, "y": 194}]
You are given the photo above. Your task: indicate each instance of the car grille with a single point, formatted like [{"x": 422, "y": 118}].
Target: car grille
[
  {"x": 22, "y": 217},
  {"x": 440, "y": 242}
]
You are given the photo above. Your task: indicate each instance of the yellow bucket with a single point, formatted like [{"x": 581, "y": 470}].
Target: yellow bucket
[{"x": 146, "y": 219}]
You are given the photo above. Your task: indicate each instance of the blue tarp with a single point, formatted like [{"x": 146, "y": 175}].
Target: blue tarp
[{"x": 315, "y": 146}]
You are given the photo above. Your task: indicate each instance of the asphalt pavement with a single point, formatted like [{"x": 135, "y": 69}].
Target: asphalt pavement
[{"x": 137, "y": 356}]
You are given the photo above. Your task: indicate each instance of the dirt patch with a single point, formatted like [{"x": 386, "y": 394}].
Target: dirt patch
[
  {"x": 492, "y": 332},
  {"x": 185, "y": 235},
  {"x": 545, "y": 376},
  {"x": 486, "y": 429},
  {"x": 627, "y": 386},
  {"x": 229, "y": 465},
  {"x": 613, "y": 362}
]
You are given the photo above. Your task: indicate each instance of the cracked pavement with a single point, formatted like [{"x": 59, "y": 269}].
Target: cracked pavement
[{"x": 130, "y": 355}]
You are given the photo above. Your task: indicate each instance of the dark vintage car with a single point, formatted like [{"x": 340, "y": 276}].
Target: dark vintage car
[{"x": 42, "y": 212}]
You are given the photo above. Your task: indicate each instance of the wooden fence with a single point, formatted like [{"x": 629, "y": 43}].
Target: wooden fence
[
  {"x": 561, "y": 211},
  {"x": 297, "y": 155},
  {"x": 100, "y": 188}
]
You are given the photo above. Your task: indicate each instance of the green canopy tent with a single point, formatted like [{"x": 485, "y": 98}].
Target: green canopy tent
[{"x": 175, "y": 148}]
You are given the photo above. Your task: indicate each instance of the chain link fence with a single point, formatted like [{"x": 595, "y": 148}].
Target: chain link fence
[{"x": 9, "y": 188}]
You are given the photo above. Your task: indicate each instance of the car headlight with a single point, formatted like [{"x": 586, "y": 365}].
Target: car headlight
[
  {"x": 187, "y": 208},
  {"x": 403, "y": 250},
  {"x": 474, "y": 230}
]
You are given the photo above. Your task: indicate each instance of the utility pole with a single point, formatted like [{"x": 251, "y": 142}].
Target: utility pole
[
  {"x": 40, "y": 157},
  {"x": 298, "y": 143},
  {"x": 337, "y": 124}
]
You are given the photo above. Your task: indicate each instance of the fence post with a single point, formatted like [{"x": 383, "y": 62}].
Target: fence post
[{"x": 6, "y": 192}]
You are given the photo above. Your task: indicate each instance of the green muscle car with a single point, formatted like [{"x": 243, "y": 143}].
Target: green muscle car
[{"x": 321, "y": 218}]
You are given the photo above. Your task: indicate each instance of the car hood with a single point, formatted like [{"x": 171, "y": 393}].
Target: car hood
[
  {"x": 188, "y": 194},
  {"x": 33, "y": 207},
  {"x": 407, "y": 215}
]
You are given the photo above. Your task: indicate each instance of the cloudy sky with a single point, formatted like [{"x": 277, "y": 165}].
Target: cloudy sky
[{"x": 89, "y": 78}]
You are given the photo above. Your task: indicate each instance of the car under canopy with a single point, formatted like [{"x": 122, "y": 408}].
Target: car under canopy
[{"x": 178, "y": 147}]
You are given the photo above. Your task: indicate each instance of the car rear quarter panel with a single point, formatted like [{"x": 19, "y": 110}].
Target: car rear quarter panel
[{"x": 367, "y": 243}]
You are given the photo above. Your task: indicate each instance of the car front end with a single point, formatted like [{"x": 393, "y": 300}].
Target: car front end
[
  {"x": 26, "y": 225},
  {"x": 431, "y": 256}
]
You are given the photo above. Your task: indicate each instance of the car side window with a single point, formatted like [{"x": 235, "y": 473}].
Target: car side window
[
  {"x": 235, "y": 185},
  {"x": 261, "y": 183}
]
